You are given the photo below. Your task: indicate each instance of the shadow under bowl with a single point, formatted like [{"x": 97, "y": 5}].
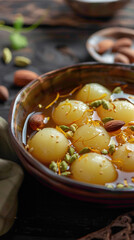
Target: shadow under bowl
[
  {"x": 32, "y": 94},
  {"x": 96, "y": 8}
]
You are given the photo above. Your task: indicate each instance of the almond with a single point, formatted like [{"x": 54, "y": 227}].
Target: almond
[
  {"x": 121, "y": 58},
  {"x": 104, "y": 45},
  {"x": 122, "y": 42},
  {"x": 4, "y": 94},
  {"x": 36, "y": 121},
  {"x": 23, "y": 77},
  {"x": 128, "y": 52},
  {"x": 113, "y": 125}
]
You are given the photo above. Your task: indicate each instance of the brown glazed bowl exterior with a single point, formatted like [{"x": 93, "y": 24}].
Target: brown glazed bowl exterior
[
  {"x": 96, "y": 8},
  {"x": 32, "y": 94}
]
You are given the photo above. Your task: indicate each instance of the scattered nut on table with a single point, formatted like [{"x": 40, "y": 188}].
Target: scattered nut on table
[
  {"x": 4, "y": 94},
  {"x": 23, "y": 77}
]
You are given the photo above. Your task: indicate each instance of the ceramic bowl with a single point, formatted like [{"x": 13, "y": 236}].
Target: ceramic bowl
[
  {"x": 32, "y": 94},
  {"x": 96, "y": 8}
]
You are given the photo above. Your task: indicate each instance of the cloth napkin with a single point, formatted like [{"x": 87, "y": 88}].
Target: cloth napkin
[{"x": 11, "y": 177}]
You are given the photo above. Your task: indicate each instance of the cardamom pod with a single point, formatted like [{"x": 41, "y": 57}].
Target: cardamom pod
[
  {"x": 6, "y": 55},
  {"x": 21, "y": 61}
]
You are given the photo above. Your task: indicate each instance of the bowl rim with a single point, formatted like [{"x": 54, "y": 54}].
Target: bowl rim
[{"x": 42, "y": 168}]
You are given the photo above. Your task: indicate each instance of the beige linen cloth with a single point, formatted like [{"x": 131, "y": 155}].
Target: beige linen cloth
[{"x": 11, "y": 176}]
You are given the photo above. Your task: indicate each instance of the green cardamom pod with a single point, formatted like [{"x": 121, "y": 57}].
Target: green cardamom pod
[
  {"x": 7, "y": 55},
  {"x": 21, "y": 61}
]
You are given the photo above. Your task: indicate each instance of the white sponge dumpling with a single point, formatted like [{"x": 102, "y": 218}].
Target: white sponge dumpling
[
  {"x": 92, "y": 136},
  {"x": 123, "y": 157},
  {"x": 91, "y": 92},
  {"x": 48, "y": 145},
  {"x": 122, "y": 110},
  {"x": 93, "y": 168},
  {"x": 71, "y": 111}
]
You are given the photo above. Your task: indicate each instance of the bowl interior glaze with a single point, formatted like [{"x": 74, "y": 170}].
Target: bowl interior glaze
[{"x": 32, "y": 94}]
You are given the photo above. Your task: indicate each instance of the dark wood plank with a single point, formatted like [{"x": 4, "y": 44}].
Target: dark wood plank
[{"x": 58, "y": 13}]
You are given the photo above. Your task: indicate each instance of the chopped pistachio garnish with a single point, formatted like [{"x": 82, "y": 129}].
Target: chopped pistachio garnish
[
  {"x": 104, "y": 151},
  {"x": 73, "y": 128},
  {"x": 63, "y": 166},
  {"x": 109, "y": 185},
  {"x": 117, "y": 90},
  {"x": 111, "y": 149},
  {"x": 74, "y": 157},
  {"x": 107, "y": 119},
  {"x": 69, "y": 134},
  {"x": 67, "y": 157},
  {"x": 53, "y": 166},
  {"x": 64, "y": 128},
  {"x": 71, "y": 151},
  {"x": 105, "y": 104},
  {"x": 131, "y": 127},
  {"x": 120, "y": 185},
  {"x": 65, "y": 173},
  {"x": 85, "y": 150},
  {"x": 96, "y": 103}
]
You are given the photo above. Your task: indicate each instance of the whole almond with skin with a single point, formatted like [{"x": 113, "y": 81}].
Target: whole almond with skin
[
  {"x": 113, "y": 125},
  {"x": 104, "y": 45},
  {"x": 23, "y": 77},
  {"x": 120, "y": 58},
  {"x": 122, "y": 42},
  {"x": 4, "y": 94},
  {"x": 128, "y": 52}
]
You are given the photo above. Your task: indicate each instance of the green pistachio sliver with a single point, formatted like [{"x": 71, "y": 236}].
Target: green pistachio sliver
[
  {"x": 69, "y": 134},
  {"x": 6, "y": 55},
  {"x": 120, "y": 185},
  {"x": 96, "y": 103},
  {"x": 74, "y": 157},
  {"x": 107, "y": 119},
  {"x": 21, "y": 61},
  {"x": 111, "y": 149},
  {"x": 109, "y": 186},
  {"x": 63, "y": 166},
  {"x": 104, "y": 151},
  {"x": 117, "y": 90},
  {"x": 85, "y": 150},
  {"x": 73, "y": 128},
  {"x": 71, "y": 151},
  {"x": 105, "y": 104},
  {"x": 67, "y": 173},
  {"x": 53, "y": 166},
  {"x": 131, "y": 127},
  {"x": 64, "y": 128},
  {"x": 67, "y": 157}
]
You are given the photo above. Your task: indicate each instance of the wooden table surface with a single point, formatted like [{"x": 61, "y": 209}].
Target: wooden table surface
[{"x": 59, "y": 41}]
